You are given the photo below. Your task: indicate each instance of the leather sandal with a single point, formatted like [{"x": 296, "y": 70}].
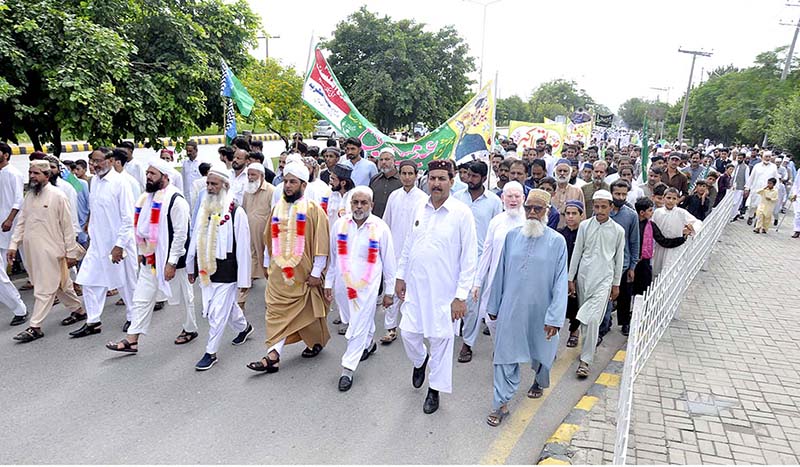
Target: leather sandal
[
  {"x": 73, "y": 318},
  {"x": 28, "y": 335},
  {"x": 313, "y": 352},
  {"x": 465, "y": 355},
  {"x": 496, "y": 417},
  {"x": 572, "y": 341},
  {"x": 127, "y": 347},
  {"x": 185, "y": 337},
  {"x": 265, "y": 365}
]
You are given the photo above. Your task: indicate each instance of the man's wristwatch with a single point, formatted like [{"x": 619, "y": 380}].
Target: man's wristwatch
[{"x": 173, "y": 265}]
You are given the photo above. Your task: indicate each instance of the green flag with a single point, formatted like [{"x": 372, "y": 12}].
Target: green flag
[{"x": 231, "y": 87}]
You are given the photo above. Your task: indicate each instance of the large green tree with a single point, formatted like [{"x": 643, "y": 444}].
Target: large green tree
[
  {"x": 108, "y": 69},
  {"x": 396, "y": 72},
  {"x": 634, "y": 109},
  {"x": 277, "y": 90},
  {"x": 558, "y": 97},
  {"x": 512, "y": 108}
]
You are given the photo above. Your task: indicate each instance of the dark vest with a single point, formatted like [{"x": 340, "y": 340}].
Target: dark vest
[
  {"x": 171, "y": 230},
  {"x": 227, "y": 269}
]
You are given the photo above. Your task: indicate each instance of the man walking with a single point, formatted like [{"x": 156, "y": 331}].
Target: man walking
[
  {"x": 434, "y": 276},
  {"x": 11, "y": 197}
]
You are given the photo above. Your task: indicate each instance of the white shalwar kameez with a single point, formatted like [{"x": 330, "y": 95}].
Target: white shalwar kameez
[
  {"x": 219, "y": 299},
  {"x": 438, "y": 265},
  {"x": 401, "y": 206},
  {"x": 796, "y": 204},
  {"x": 492, "y": 251},
  {"x": 72, "y": 196},
  {"x": 596, "y": 266},
  {"x": 151, "y": 286},
  {"x": 361, "y": 310},
  {"x": 757, "y": 180},
  {"x": 671, "y": 223},
  {"x": 11, "y": 196},
  {"x": 110, "y": 225}
]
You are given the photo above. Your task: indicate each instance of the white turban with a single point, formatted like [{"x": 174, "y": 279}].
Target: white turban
[
  {"x": 298, "y": 169},
  {"x": 294, "y": 157},
  {"x": 257, "y": 166},
  {"x": 161, "y": 165},
  {"x": 220, "y": 170},
  {"x": 602, "y": 194}
]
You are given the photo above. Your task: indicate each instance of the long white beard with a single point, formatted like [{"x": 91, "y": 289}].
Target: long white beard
[
  {"x": 533, "y": 228},
  {"x": 514, "y": 213},
  {"x": 252, "y": 187},
  {"x": 213, "y": 203}
]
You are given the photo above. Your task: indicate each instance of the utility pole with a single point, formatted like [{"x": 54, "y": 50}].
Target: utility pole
[
  {"x": 658, "y": 100},
  {"x": 694, "y": 54},
  {"x": 789, "y": 56},
  {"x": 266, "y": 44},
  {"x": 485, "y": 5}
]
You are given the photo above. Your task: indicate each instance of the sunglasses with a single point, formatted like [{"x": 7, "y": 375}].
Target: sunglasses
[{"x": 536, "y": 209}]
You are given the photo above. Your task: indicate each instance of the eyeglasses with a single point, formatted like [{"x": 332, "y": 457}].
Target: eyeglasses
[
  {"x": 536, "y": 209},
  {"x": 96, "y": 161}
]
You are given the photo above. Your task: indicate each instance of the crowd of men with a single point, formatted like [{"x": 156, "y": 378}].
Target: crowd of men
[{"x": 511, "y": 249}]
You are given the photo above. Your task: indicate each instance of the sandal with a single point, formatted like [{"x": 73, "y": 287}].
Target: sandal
[
  {"x": 465, "y": 355},
  {"x": 391, "y": 336},
  {"x": 73, "y": 318},
  {"x": 120, "y": 302},
  {"x": 111, "y": 293},
  {"x": 496, "y": 417},
  {"x": 337, "y": 321},
  {"x": 185, "y": 337},
  {"x": 127, "y": 347},
  {"x": 28, "y": 335},
  {"x": 535, "y": 391},
  {"x": 572, "y": 341},
  {"x": 583, "y": 370},
  {"x": 27, "y": 286},
  {"x": 265, "y": 365},
  {"x": 313, "y": 352}
]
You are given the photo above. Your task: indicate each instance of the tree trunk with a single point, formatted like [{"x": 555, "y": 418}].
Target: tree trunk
[{"x": 57, "y": 141}]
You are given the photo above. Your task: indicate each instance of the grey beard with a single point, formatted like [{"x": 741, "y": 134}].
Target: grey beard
[
  {"x": 359, "y": 217},
  {"x": 563, "y": 180},
  {"x": 35, "y": 187},
  {"x": 533, "y": 228},
  {"x": 214, "y": 202}
]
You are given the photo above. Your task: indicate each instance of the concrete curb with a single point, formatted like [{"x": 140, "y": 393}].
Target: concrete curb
[
  {"x": 77, "y": 147},
  {"x": 558, "y": 449}
]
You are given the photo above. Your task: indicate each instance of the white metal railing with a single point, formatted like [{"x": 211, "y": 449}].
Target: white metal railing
[{"x": 653, "y": 312}]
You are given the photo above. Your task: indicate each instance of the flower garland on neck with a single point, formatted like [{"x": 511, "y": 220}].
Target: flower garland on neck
[
  {"x": 344, "y": 258},
  {"x": 288, "y": 231},
  {"x": 207, "y": 250},
  {"x": 147, "y": 246}
]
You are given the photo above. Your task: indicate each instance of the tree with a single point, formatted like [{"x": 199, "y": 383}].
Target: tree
[
  {"x": 512, "y": 108},
  {"x": 633, "y": 110},
  {"x": 558, "y": 97},
  {"x": 277, "y": 90},
  {"x": 785, "y": 128},
  {"x": 397, "y": 73},
  {"x": 109, "y": 69}
]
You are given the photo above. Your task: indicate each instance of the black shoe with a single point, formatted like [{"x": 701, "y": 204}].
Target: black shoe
[
  {"x": 750, "y": 221},
  {"x": 159, "y": 306},
  {"x": 345, "y": 383},
  {"x": 87, "y": 330},
  {"x": 242, "y": 337},
  {"x": 206, "y": 362},
  {"x": 486, "y": 331},
  {"x": 775, "y": 223},
  {"x": 368, "y": 352},
  {"x": 626, "y": 330},
  {"x": 126, "y": 326},
  {"x": 418, "y": 376},
  {"x": 311, "y": 353},
  {"x": 19, "y": 319},
  {"x": 431, "y": 404}
]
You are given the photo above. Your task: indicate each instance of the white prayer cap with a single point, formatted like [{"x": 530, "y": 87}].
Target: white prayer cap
[
  {"x": 161, "y": 165},
  {"x": 298, "y": 169},
  {"x": 388, "y": 150},
  {"x": 362, "y": 190},
  {"x": 221, "y": 171},
  {"x": 512, "y": 186},
  {"x": 767, "y": 153},
  {"x": 294, "y": 157},
  {"x": 258, "y": 166},
  {"x": 602, "y": 194}
]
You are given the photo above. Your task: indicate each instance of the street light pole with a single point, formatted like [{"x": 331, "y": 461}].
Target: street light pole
[
  {"x": 485, "y": 6},
  {"x": 266, "y": 44},
  {"x": 694, "y": 54}
]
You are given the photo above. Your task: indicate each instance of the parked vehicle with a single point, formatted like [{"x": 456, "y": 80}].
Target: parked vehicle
[{"x": 323, "y": 129}]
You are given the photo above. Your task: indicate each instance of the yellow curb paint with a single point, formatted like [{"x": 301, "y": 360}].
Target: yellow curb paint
[
  {"x": 564, "y": 433},
  {"x": 586, "y": 403},
  {"x": 553, "y": 461},
  {"x": 609, "y": 380},
  {"x": 515, "y": 424},
  {"x": 620, "y": 356}
]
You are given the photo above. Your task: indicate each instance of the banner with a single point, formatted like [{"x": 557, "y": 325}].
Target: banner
[
  {"x": 579, "y": 132},
  {"x": 604, "y": 120},
  {"x": 525, "y": 134},
  {"x": 465, "y": 136}
]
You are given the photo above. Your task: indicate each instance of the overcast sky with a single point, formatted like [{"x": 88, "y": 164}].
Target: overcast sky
[{"x": 613, "y": 49}]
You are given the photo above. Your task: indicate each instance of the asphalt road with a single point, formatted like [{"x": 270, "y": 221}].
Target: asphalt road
[{"x": 69, "y": 401}]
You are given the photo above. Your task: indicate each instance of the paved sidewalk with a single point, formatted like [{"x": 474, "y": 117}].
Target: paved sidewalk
[{"x": 723, "y": 384}]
